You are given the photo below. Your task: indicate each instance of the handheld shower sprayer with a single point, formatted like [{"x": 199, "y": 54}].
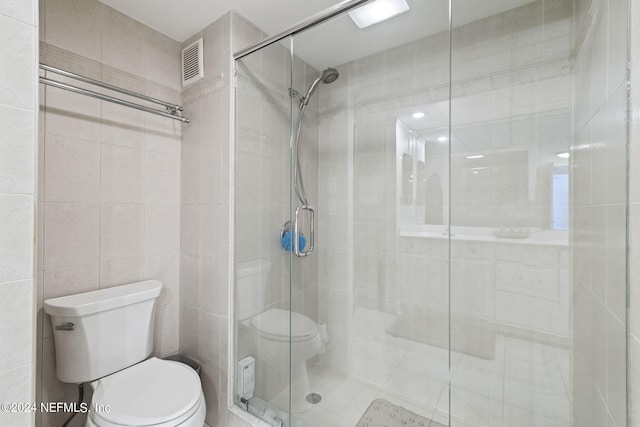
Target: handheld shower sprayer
[
  {"x": 328, "y": 76},
  {"x": 291, "y": 236}
]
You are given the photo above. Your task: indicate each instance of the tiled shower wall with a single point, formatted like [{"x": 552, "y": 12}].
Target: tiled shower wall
[
  {"x": 109, "y": 187},
  {"x": 495, "y": 86},
  {"x": 598, "y": 219},
  {"x": 633, "y": 342},
  {"x": 18, "y": 118},
  {"x": 512, "y": 101}
]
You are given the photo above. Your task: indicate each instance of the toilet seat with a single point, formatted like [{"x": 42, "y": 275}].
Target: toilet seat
[
  {"x": 274, "y": 323},
  {"x": 151, "y": 393}
]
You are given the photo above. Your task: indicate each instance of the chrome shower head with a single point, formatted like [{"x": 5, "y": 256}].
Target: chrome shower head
[{"x": 328, "y": 76}]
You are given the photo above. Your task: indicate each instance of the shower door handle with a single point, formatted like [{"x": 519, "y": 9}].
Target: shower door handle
[{"x": 296, "y": 231}]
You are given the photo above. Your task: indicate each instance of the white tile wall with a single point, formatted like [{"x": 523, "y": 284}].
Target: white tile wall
[
  {"x": 17, "y": 231},
  {"x": 72, "y": 172},
  {"x": 122, "y": 174},
  {"x": 111, "y": 175},
  {"x": 18, "y": 154},
  {"x": 16, "y": 162},
  {"x": 599, "y": 224},
  {"x": 204, "y": 231},
  {"x": 17, "y": 88},
  {"x": 71, "y": 234},
  {"x": 633, "y": 339}
]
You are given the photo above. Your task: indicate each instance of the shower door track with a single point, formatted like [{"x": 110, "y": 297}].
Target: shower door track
[{"x": 317, "y": 19}]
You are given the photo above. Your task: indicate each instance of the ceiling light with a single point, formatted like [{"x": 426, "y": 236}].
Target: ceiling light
[
  {"x": 477, "y": 156},
  {"x": 564, "y": 155},
  {"x": 418, "y": 115},
  {"x": 377, "y": 11},
  {"x": 442, "y": 138}
]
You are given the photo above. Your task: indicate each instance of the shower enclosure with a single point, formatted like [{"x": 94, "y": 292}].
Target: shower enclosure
[{"x": 436, "y": 222}]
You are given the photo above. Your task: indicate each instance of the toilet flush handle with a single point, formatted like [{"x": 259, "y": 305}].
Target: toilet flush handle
[{"x": 65, "y": 327}]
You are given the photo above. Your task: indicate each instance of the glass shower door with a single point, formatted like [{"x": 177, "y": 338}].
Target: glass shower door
[
  {"x": 467, "y": 266},
  {"x": 511, "y": 122},
  {"x": 374, "y": 159},
  {"x": 262, "y": 213}
]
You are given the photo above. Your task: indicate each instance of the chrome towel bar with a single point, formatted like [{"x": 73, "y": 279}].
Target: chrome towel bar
[{"x": 171, "y": 110}]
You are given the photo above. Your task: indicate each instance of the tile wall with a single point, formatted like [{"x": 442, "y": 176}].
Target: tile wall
[
  {"x": 512, "y": 104},
  {"x": 495, "y": 75},
  {"x": 599, "y": 214},
  {"x": 205, "y": 220},
  {"x": 18, "y": 154},
  {"x": 633, "y": 338},
  {"x": 109, "y": 188}
]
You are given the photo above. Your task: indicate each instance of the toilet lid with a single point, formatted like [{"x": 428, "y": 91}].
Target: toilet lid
[
  {"x": 151, "y": 392},
  {"x": 274, "y": 323}
]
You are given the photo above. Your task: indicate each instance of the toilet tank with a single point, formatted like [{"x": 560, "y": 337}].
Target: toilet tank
[
  {"x": 251, "y": 277},
  {"x": 100, "y": 332}
]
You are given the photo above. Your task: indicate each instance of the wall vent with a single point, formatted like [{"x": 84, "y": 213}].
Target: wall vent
[{"x": 192, "y": 63}]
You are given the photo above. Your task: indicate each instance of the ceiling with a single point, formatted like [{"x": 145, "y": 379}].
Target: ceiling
[{"x": 181, "y": 19}]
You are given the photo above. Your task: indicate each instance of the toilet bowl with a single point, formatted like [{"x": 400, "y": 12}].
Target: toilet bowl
[
  {"x": 105, "y": 338},
  {"x": 273, "y": 331},
  {"x": 155, "y": 392}
]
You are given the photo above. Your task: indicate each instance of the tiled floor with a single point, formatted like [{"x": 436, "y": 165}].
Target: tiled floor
[{"x": 526, "y": 385}]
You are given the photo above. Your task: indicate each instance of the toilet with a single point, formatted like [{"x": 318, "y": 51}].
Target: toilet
[
  {"x": 270, "y": 330},
  {"x": 273, "y": 330},
  {"x": 105, "y": 337}
]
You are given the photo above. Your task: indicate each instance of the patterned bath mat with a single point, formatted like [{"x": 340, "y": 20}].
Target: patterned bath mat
[{"x": 382, "y": 413}]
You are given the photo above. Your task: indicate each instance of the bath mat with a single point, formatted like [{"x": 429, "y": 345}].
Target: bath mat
[
  {"x": 382, "y": 413},
  {"x": 475, "y": 337}
]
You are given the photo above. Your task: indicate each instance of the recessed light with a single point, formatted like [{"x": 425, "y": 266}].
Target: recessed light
[
  {"x": 564, "y": 155},
  {"x": 377, "y": 11},
  {"x": 443, "y": 139},
  {"x": 477, "y": 156},
  {"x": 418, "y": 115}
]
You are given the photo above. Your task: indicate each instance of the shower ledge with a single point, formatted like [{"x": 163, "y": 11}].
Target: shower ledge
[{"x": 536, "y": 236}]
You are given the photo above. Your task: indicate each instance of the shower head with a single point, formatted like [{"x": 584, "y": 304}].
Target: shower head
[{"x": 328, "y": 76}]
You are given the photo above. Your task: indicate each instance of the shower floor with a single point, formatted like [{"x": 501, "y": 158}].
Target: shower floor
[{"x": 525, "y": 384}]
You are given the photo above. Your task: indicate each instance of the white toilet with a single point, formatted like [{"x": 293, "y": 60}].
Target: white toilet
[
  {"x": 273, "y": 330},
  {"x": 270, "y": 330},
  {"x": 103, "y": 337}
]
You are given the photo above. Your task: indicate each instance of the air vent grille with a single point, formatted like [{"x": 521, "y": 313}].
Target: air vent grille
[{"x": 192, "y": 63}]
